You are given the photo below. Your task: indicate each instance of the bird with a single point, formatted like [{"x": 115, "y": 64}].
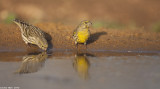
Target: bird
[
  {"x": 32, "y": 34},
  {"x": 82, "y": 33},
  {"x": 81, "y": 65},
  {"x": 32, "y": 63}
]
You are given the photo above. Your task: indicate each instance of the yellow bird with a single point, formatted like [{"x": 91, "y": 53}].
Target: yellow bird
[{"x": 82, "y": 33}]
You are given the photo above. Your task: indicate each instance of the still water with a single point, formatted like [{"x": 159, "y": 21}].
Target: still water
[{"x": 80, "y": 71}]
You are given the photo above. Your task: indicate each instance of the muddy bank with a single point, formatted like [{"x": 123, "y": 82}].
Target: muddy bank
[{"x": 59, "y": 37}]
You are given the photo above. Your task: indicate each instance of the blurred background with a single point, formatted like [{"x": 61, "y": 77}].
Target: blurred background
[{"x": 116, "y": 14}]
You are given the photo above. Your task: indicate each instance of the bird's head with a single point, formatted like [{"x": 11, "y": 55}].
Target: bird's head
[
  {"x": 42, "y": 43},
  {"x": 85, "y": 24}
]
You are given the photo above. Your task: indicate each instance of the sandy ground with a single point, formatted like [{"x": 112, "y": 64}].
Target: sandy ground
[{"x": 59, "y": 37}]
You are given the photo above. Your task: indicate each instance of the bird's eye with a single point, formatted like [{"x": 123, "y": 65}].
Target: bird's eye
[{"x": 85, "y": 22}]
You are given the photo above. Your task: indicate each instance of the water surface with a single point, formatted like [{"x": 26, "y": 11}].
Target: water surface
[{"x": 80, "y": 71}]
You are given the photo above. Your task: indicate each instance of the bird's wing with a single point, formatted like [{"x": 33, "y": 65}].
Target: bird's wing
[{"x": 33, "y": 31}]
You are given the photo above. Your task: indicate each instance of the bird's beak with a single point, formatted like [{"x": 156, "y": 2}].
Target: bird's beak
[{"x": 89, "y": 24}]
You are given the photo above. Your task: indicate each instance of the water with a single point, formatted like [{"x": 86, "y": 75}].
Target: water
[{"x": 110, "y": 70}]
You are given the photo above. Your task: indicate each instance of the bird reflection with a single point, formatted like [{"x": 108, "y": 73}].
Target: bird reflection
[
  {"x": 81, "y": 65},
  {"x": 32, "y": 63}
]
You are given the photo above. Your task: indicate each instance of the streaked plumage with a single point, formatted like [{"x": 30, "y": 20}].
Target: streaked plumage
[
  {"x": 32, "y": 63},
  {"x": 81, "y": 65},
  {"x": 82, "y": 32},
  {"x": 32, "y": 34}
]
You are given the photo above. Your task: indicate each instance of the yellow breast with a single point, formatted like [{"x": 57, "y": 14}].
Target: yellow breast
[{"x": 83, "y": 36}]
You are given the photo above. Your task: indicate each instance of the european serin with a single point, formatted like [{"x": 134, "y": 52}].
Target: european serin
[{"x": 82, "y": 33}]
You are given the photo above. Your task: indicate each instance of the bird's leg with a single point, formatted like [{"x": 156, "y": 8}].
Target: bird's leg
[
  {"x": 26, "y": 42},
  {"x": 29, "y": 44},
  {"x": 76, "y": 44},
  {"x": 85, "y": 44}
]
